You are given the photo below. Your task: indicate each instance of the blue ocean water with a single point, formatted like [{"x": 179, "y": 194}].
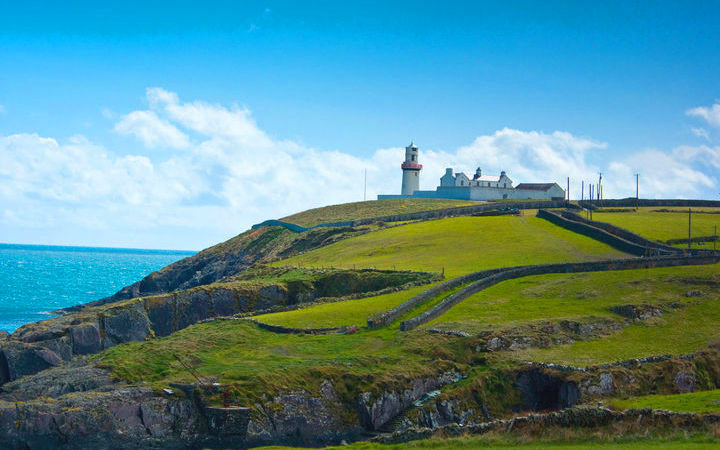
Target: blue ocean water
[{"x": 36, "y": 279}]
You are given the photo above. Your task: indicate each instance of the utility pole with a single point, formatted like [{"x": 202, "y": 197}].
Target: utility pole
[
  {"x": 582, "y": 190},
  {"x": 568, "y": 190},
  {"x": 637, "y": 190},
  {"x": 689, "y": 224}
]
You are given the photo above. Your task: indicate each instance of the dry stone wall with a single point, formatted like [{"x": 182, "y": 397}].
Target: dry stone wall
[{"x": 523, "y": 271}]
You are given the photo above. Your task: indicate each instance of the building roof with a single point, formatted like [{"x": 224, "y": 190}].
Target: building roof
[
  {"x": 535, "y": 186},
  {"x": 494, "y": 178}
]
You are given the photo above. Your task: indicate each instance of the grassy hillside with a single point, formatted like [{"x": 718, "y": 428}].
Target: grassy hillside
[
  {"x": 558, "y": 442},
  {"x": 694, "y": 402},
  {"x": 255, "y": 362},
  {"x": 351, "y": 312},
  {"x": 458, "y": 246},
  {"x": 681, "y": 332},
  {"x": 577, "y": 296},
  {"x": 371, "y": 209},
  {"x": 662, "y": 226}
]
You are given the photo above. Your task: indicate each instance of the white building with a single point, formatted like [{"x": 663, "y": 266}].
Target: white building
[{"x": 480, "y": 187}]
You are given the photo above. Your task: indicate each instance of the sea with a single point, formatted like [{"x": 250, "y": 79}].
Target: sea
[{"x": 38, "y": 279}]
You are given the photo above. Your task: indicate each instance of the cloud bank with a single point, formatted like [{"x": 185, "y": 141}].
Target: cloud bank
[{"x": 207, "y": 172}]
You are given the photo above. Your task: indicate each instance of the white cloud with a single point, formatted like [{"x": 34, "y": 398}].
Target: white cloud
[
  {"x": 711, "y": 114},
  {"x": 233, "y": 174},
  {"x": 701, "y": 132},
  {"x": 151, "y": 130}
]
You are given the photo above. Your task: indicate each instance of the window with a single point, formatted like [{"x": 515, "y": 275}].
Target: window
[{"x": 413, "y": 157}]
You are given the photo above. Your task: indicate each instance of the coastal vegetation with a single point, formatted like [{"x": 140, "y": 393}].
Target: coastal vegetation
[
  {"x": 271, "y": 326},
  {"x": 371, "y": 209}
]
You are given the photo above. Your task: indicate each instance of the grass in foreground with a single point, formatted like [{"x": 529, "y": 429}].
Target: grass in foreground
[
  {"x": 458, "y": 246},
  {"x": 694, "y": 402},
  {"x": 576, "y": 296},
  {"x": 661, "y": 226},
  {"x": 696, "y": 440},
  {"x": 371, "y": 209}
]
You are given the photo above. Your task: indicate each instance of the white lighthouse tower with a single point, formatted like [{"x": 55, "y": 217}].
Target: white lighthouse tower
[{"x": 411, "y": 170}]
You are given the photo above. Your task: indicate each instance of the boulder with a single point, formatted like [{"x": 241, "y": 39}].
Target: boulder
[
  {"x": 86, "y": 339},
  {"x": 125, "y": 324},
  {"x": 19, "y": 359},
  {"x": 74, "y": 376}
]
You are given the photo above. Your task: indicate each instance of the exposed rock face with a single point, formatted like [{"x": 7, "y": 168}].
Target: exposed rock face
[
  {"x": 377, "y": 410},
  {"x": 18, "y": 359},
  {"x": 121, "y": 418},
  {"x": 75, "y": 376},
  {"x": 546, "y": 334},
  {"x": 127, "y": 325},
  {"x": 299, "y": 418},
  {"x": 78, "y": 405},
  {"x": 637, "y": 312},
  {"x": 577, "y": 417}
]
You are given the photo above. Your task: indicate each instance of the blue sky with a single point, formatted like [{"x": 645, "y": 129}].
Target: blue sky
[{"x": 126, "y": 123}]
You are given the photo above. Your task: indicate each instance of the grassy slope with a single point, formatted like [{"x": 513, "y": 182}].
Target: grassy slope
[
  {"x": 661, "y": 226},
  {"x": 694, "y": 402},
  {"x": 258, "y": 361},
  {"x": 371, "y": 209},
  {"x": 350, "y": 312},
  {"x": 558, "y": 442},
  {"x": 576, "y": 296},
  {"x": 681, "y": 331},
  {"x": 459, "y": 245}
]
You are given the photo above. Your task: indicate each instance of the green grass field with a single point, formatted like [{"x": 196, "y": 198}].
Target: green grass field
[
  {"x": 693, "y": 402},
  {"x": 674, "y": 440},
  {"x": 256, "y": 361},
  {"x": 458, "y": 246},
  {"x": 348, "y": 312},
  {"x": 661, "y": 226},
  {"x": 371, "y": 209},
  {"x": 684, "y": 330},
  {"x": 575, "y": 297}
]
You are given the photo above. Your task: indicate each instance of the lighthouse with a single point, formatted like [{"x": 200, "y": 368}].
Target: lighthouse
[{"x": 411, "y": 170}]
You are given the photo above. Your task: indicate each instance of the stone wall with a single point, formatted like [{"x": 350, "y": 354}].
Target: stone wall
[
  {"x": 423, "y": 215},
  {"x": 593, "y": 232},
  {"x": 622, "y": 233},
  {"x": 395, "y": 313},
  {"x": 631, "y": 202},
  {"x": 523, "y": 271}
]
